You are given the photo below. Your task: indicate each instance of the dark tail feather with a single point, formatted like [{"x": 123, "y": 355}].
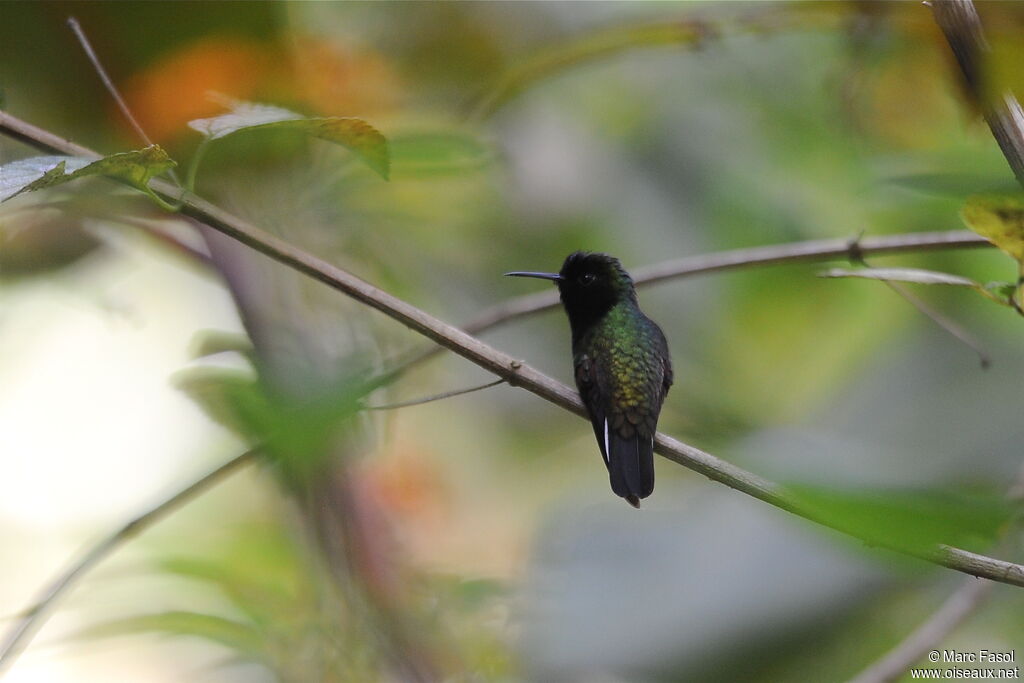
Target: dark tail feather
[
  {"x": 646, "y": 465},
  {"x": 631, "y": 467}
]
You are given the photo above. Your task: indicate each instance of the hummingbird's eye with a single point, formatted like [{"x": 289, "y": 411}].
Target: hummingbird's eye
[{"x": 587, "y": 278}]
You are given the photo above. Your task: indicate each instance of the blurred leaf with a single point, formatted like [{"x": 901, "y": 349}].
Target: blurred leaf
[
  {"x": 38, "y": 240},
  {"x": 999, "y": 219},
  {"x": 912, "y": 519},
  {"x": 1002, "y": 290},
  {"x": 437, "y": 153},
  {"x": 355, "y": 134},
  {"x": 296, "y": 432},
  {"x": 135, "y": 168},
  {"x": 265, "y": 589},
  {"x": 950, "y": 184},
  {"x": 473, "y": 594},
  {"x": 213, "y": 342},
  {"x": 239, "y": 637},
  {"x": 914, "y": 275},
  {"x": 228, "y": 397}
]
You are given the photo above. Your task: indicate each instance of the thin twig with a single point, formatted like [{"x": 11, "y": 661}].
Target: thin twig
[
  {"x": 435, "y": 397},
  {"x": 950, "y": 326},
  {"x": 108, "y": 83},
  {"x": 514, "y": 371},
  {"x": 690, "y": 33},
  {"x": 964, "y": 601},
  {"x": 32, "y": 618},
  {"x": 957, "y": 607}
]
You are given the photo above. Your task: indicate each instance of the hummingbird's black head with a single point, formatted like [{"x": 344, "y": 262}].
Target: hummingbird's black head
[{"x": 590, "y": 284}]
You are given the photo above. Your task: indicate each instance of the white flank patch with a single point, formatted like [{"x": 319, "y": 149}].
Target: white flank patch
[{"x": 606, "y": 451}]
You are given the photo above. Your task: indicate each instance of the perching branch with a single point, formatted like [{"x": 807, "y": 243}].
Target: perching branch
[
  {"x": 31, "y": 619},
  {"x": 512, "y": 370}
]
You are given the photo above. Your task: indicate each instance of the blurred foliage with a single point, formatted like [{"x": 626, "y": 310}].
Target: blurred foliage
[
  {"x": 999, "y": 219},
  {"x": 516, "y": 133},
  {"x": 915, "y": 520}
]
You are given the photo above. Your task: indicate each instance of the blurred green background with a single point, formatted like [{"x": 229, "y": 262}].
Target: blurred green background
[{"x": 483, "y": 525}]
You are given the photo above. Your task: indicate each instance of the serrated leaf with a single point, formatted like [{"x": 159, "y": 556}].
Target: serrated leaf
[
  {"x": 20, "y": 174},
  {"x": 135, "y": 168},
  {"x": 999, "y": 219},
  {"x": 352, "y": 133},
  {"x": 913, "y": 275},
  {"x": 912, "y": 519}
]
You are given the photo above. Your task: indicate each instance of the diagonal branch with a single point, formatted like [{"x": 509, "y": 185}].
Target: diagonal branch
[
  {"x": 957, "y": 607},
  {"x": 512, "y": 370},
  {"x": 961, "y": 25}
]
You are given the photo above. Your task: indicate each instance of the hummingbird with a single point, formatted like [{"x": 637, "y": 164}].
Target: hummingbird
[{"x": 621, "y": 365}]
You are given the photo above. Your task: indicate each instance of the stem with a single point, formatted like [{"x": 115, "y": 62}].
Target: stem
[
  {"x": 435, "y": 397},
  {"x": 193, "y": 164},
  {"x": 108, "y": 83},
  {"x": 957, "y": 607}
]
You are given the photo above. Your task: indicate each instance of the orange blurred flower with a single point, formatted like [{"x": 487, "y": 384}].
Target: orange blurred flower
[
  {"x": 177, "y": 89},
  {"x": 326, "y": 78}
]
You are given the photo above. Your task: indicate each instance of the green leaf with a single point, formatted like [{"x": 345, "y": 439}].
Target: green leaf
[
  {"x": 295, "y": 432},
  {"x": 428, "y": 153},
  {"x": 19, "y": 176},
  {"x": 241, "y": 638},
  {"x": 1001, "y": 290},
  {"x": 230, "y": 398},
  {"x": 914, "y": 275},
  {"x": 212, "y": 342},
  {"x": 912, "y": 519},
  {"x": 135, "y": 168},
  {"x": 352, "y": 133},
  {"x": 999, "y": 219}
]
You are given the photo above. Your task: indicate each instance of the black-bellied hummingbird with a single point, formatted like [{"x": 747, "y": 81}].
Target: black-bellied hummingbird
[{"x": 621, "y": 362}]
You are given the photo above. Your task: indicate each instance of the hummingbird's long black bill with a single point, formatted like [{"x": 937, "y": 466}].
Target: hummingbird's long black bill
[{"x": 527, "y": 273}]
